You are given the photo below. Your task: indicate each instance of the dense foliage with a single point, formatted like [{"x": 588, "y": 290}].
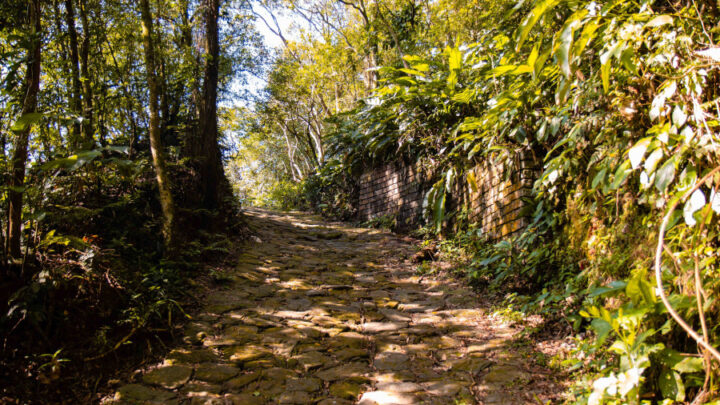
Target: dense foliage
[
  {"x": 617, "y": 100},
  {"x": 110, "y": 149}
]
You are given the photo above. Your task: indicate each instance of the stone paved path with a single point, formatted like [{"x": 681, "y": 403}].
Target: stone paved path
[{"x": 319, "y": 313}]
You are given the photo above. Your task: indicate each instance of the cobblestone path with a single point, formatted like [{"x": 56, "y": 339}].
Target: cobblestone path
[{"x": 319, "y": 313}]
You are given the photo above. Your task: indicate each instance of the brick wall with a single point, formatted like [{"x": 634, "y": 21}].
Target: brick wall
[
  {"x": 398, "y": 189},
  {"x": 497, "y": 205},
  {"x": 395, "y": 189}
]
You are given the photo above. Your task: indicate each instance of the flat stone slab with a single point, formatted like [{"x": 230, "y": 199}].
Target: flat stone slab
[
  {"x": 142, "y": 393},
  {"x": 391, "y": 361},
  {"x": 350, "y": 371},
  {"x": 169, "y": 377},
  {"x": 378, "y": 327},
  {"x": 215, "y": 373},
  {"x": 505, "y": 374},
  {"x": 399, "y": 387},
  {"x": 387, "y": 398}
]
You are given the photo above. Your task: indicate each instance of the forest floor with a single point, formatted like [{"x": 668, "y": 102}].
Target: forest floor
[{"x": 324, "y": 313}]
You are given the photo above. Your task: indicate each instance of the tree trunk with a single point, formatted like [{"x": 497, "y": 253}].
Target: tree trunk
[
  {"x": 19, "y": 159},
  {"x": 156, "y": 147},
  {"x": 75, "y": 89},
  {"x": 88, "y": 126},
  {"x": 215, "y": 186}
]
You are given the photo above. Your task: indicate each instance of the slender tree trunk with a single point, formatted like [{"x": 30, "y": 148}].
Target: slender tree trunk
[
  {"x": 88, "y": 126},
  {"x": 19, "y": 159},
  {"x": 291, "y": 156},
  {"x": 156, "y": 148},
  {"x": 75, "y": 89}
]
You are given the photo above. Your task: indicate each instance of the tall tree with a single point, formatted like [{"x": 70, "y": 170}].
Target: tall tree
[
  {"x": 75, "y": 91},
  {"x": 156, "y": 147},
  {"x": 31, "y": 88},
  {"x": 214, "y": 184},
  {"x": 87, "y": 123}
]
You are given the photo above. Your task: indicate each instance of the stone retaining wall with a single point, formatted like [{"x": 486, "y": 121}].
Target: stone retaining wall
[
  {"x": 395, "y": 189},
  {"x": 497, "y": 205},
  {"x": 398, "y": 190}
]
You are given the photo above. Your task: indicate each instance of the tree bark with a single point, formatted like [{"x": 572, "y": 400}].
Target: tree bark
[
  {"x": 156, "y": 148},
  {"x": 76, "y": 89},
  {"x": 214, "y": 183},
  {"x": 20, "y": 155},
  {"x": 87, "y": 123}
]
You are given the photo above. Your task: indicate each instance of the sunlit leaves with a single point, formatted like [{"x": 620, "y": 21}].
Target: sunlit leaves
[
  {"x": 539, "y": 9},
  {"x": 637, "y": 152},
  {"x": 26, "y": 121},
  {"x": 564, "y": 41},
  {"x": 659, "y": 21},
  {"x": 693, "y": 205},
  {"x": 665, "y": 175}
]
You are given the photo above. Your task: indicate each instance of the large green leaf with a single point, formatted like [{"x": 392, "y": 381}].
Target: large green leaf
[
  {"x": 25, "y": 121},
  {"x": 563, "y": 42},
  {"x": 602, "y": 329},
  {"x": 587, "y": 35},
  {"x": 671, "y": 385},
  {"x": 439, "y": 209},
  {"x": 665, "y": 175},
  {"x": 621, "y": 174},
  {"x": 611, "y": 288},
  {"x": 541, "y": 7},
  {"x": 689, "y": 365},
  {"x": 73, "y": 162},
  {"x": 639, "y": 290},
  {"x": 454, "y": 58},
  {"x": 659, "y": 21}
]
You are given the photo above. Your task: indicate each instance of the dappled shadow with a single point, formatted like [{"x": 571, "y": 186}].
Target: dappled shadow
[{"x": 323, "y": 313}]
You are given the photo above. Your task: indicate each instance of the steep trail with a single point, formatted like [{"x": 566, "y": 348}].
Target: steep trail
[{"x": 320, "y": 313}]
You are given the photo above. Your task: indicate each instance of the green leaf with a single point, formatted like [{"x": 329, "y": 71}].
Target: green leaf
[
  {"x": 639, "y": 290},
  {"x": 472, "y": 181},
  {"x": 602, "y": 329},
  {"x": 652, "y": 160},
  {"x": 621, "y": 174},
  {"x": 605, "y": 75},
  {"x": 540, "y": 62},
  {"x": 626, "y": 58},
  {"x": 564, "y": 42},
  {"x": 541, "y": 7},
  {"x": 501, "y": 70},
  {"x": 533, "y": 55},
  {"x": 439, "y": 210},
  {"x": 659, "y": 21},
  {"x": 25, "y": 121},
  {"x": 73, "y": 162},
  {"x": 454, "y": 58},
  {"x": 671, "y": 385},
  {"x": 637, "y": 152},
  {"x": 614, "y": 286},
  {"x": 689, "y": 365},
  {"x": 587, "y": 35},
  {"x": 678, "y": 116},
  {"x": 412, "y": 72},
  {"x": 605, "y": 63},
  {"x": 450, "y": 180},
  {"x": 665, "y": 175}
]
